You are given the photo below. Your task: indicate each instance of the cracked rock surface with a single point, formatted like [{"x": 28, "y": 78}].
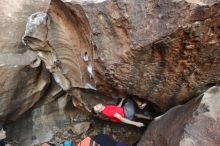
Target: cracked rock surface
[{"x": 146, "y": 49}]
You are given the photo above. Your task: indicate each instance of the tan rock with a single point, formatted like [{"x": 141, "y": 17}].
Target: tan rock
[
  {"x": 81, "y": 128},
  {"x": 157, "y": 53}
]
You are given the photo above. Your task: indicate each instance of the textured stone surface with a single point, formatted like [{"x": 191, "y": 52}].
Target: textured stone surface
[
  {"x": 21, "y": 85},
  {"x": 21, "y": 89},
  {"x": 194, "y": 124},
  {"x": 163, "y": 51},
  {"x": 40, "y": 124},
  {"x": 60, "y": 40},
  {"x": 149, "y": 49}
]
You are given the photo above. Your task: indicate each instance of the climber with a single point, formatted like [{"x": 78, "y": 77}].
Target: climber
[
  {"x": 118, "y": 113},
  {"x": 2, "y": 136}
]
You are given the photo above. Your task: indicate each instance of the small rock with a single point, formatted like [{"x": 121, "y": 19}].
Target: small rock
[
  {"x": 108, "y": 129},
  {"x": 114, "y": 136},
  {"x": 65, "y": 134},
  {"x": 81, "y": 128},
  {"x": 58, "y": 140},
  {"x": 70, "y": 131},
  {"x": 197, "y": 24},
  {"x": 189, "y": 47}
]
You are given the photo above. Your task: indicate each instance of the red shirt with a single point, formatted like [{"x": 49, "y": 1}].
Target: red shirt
[{"x": 111, "y": 110}]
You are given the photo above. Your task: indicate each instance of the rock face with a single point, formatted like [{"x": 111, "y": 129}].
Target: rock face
[
  {"x": 155, "y": 51},
  {"x": 40, "y": 124},
  {"x": 21, "y": 85},
  {"x": 194, "y": 124},
  {"x": 60, "y": 39},
  {"x": 147, "y": 49}
]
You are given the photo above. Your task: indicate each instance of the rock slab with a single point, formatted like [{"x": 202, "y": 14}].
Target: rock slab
[{"x": 194, "y": 124}]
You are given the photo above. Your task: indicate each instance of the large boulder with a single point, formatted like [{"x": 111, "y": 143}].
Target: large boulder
[
  {"x": 194, "y": 124},
  {"x": 21, "y": 85},
  {"x": 165, "y": 52},
  {"x": 148, "y": 49}
]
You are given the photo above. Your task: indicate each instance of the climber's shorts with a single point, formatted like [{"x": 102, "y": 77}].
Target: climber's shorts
[{"x": 129, "y": 109}]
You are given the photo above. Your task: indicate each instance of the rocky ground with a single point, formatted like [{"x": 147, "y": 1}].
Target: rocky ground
[
  {"x": 121, "y": 133},
  {"x": 78, "y": 131}
]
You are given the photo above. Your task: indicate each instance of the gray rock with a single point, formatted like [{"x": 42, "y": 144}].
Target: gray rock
[
  {"x": 194, "y": 124},
  {"x": 81, "y": 128}
]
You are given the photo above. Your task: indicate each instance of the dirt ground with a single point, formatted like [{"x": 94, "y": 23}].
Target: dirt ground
[{"x": 119, "y": 132}]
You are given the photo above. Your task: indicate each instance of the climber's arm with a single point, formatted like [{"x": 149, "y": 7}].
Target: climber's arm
[
  {"x": 121, "y": 102},
  {"x": 127, "y": 121}
]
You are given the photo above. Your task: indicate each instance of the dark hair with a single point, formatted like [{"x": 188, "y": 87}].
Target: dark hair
[{"x": 1, "y": 125}]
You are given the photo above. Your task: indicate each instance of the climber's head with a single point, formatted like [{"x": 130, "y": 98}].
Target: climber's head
[{"x": 98, "y": 107}]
